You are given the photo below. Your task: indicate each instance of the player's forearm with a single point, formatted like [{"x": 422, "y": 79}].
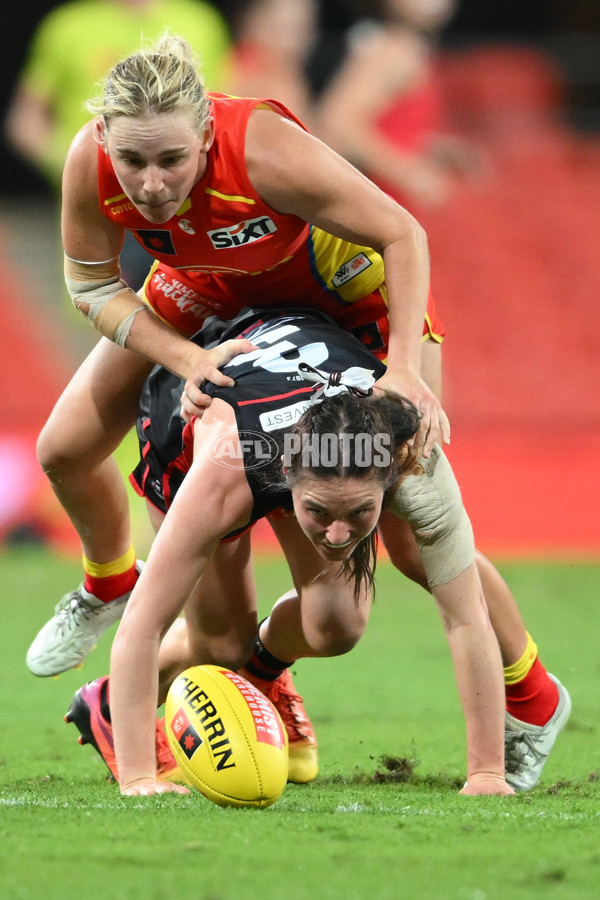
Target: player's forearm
[
  {"x": 133, "y": 693},
  {"x": 117, "y": 312},
  {"x": 406, "y": 263},
  {"x": 153, "y": 339},
  {"x": 478, "y": 670},
  {"x": 479, "y": 679}
]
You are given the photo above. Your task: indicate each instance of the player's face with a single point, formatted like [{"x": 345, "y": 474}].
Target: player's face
[
  {"x": 336, "y": 513},
  {"x": 158, "y": 158}
]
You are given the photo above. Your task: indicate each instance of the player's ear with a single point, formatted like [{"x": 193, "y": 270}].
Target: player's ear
[
  {"x": 101, "y": 132},
  {"x": 208, "y": 135}
]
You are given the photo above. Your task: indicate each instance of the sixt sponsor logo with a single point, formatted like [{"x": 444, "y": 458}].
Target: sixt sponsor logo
[
  {"x": 243, "y": 233},
  {"x": 351, "y": 269},
  {"x": 207, "y": 716}
]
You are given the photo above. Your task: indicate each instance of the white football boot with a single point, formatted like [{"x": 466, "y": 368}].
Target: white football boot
[
  {"x": 526, "y": 747},
  {"x": 73, "y": 632}
]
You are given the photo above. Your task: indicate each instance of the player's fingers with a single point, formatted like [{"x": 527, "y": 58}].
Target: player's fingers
[
  {"x": 434, "y": 428},
  {"x": 219, "y": 378},
  {"x": 235, "y": 347},
  {"x": 195, "y": 396},
  {"x": 486, "y": 783},
  {"x": 170, "y": 787},
  {"x": 445, "y": 427},
  {"x": 433, "y": 435},
  {"x": 438, "y": 431},
  {"x": 223, "y": 354},
  {"x": 135, "y": 791},
  {"x": 483, "y": 790},
  {"x": 423, "y": 441},
  {"x": 158, "y": 787}
]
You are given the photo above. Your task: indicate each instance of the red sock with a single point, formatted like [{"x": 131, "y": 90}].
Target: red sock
[
  {"x": 111, "y": 586},
  {"x": 534, "y": 698}
]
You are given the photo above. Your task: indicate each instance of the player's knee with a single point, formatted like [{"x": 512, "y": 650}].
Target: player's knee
[
  {"x": 54, "y": 454},
  {"x": 338, "y": 634}
]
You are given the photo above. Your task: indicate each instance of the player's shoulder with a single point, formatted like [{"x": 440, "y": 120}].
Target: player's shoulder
[
  {"x": 81, "y": 164},
  {"x": 85, "y": 143}
]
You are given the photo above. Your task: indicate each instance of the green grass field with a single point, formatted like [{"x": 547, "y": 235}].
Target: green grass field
[{"x": 356, "y": 832}]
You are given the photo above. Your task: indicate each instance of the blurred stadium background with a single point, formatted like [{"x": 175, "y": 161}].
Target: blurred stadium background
[{"x": 515, "y": 267}]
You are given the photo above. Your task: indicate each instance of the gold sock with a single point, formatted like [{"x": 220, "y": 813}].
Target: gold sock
[
  {"x": 518, "y": 670},
  {"x": 115, "y": 567}
]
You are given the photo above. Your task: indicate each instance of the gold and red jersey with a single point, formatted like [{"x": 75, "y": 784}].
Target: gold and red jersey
[{"x": 225, "y": 249}]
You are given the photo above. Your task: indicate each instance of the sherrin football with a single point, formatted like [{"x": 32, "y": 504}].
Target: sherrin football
[{"x": 227, "y": 737}]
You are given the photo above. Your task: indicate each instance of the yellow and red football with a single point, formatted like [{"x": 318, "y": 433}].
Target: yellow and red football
[{"x": 227, "y": 737}]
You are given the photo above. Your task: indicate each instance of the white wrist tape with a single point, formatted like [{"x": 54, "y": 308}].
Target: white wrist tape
[
  {"x": 432, "y": 505},
  {"x": 103, "y": 297}
]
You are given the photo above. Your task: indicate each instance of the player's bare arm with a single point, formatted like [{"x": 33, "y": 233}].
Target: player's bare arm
[
  {"x": 159, "y": 596},
  {"x": 92, "y": 245},
  {"x": 296, "y": 173}
]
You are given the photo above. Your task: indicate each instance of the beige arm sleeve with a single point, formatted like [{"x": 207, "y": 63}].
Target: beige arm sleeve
[
  {"x": 98, "y": 291},
  {"x": 431, "y": 503}
]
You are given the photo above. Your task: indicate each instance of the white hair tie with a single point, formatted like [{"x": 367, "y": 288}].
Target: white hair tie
[{"x": 356, "y": 380}]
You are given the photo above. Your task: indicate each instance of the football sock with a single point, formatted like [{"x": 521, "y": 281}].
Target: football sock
[
  {"x": 531, "y": 696},
  {"x": 263, "y": 664},
  {"x": 107, "y": 581}
]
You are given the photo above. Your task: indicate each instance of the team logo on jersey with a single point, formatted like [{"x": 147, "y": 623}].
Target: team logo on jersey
[
  {"x": 351, "y": 269},
  {"x": 370, "y": 335},
  {"x": 157, "y": 240},
  {"x": 243, "y": 233},
  {"x": 186, "y": 226}
]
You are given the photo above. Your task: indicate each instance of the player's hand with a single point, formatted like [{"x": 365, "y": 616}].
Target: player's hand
[
  {"x": 486, "y": 783},
  {"x": 434, "y": 426},
  {"x": 147, "y": 787},
  {"x": 205, "y": 366}
]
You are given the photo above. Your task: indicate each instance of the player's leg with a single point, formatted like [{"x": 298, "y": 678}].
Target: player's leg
[
  {"x": 89, "y": 421},
  {"x": 218, "y": 627},
  {"x": 320, "y": 617},
  {"x": 219, "y": 621},
  {"x": 537, "y": 704},
  {"x": 96, "y": 410},
  {"x": 311, "y": 620}
]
